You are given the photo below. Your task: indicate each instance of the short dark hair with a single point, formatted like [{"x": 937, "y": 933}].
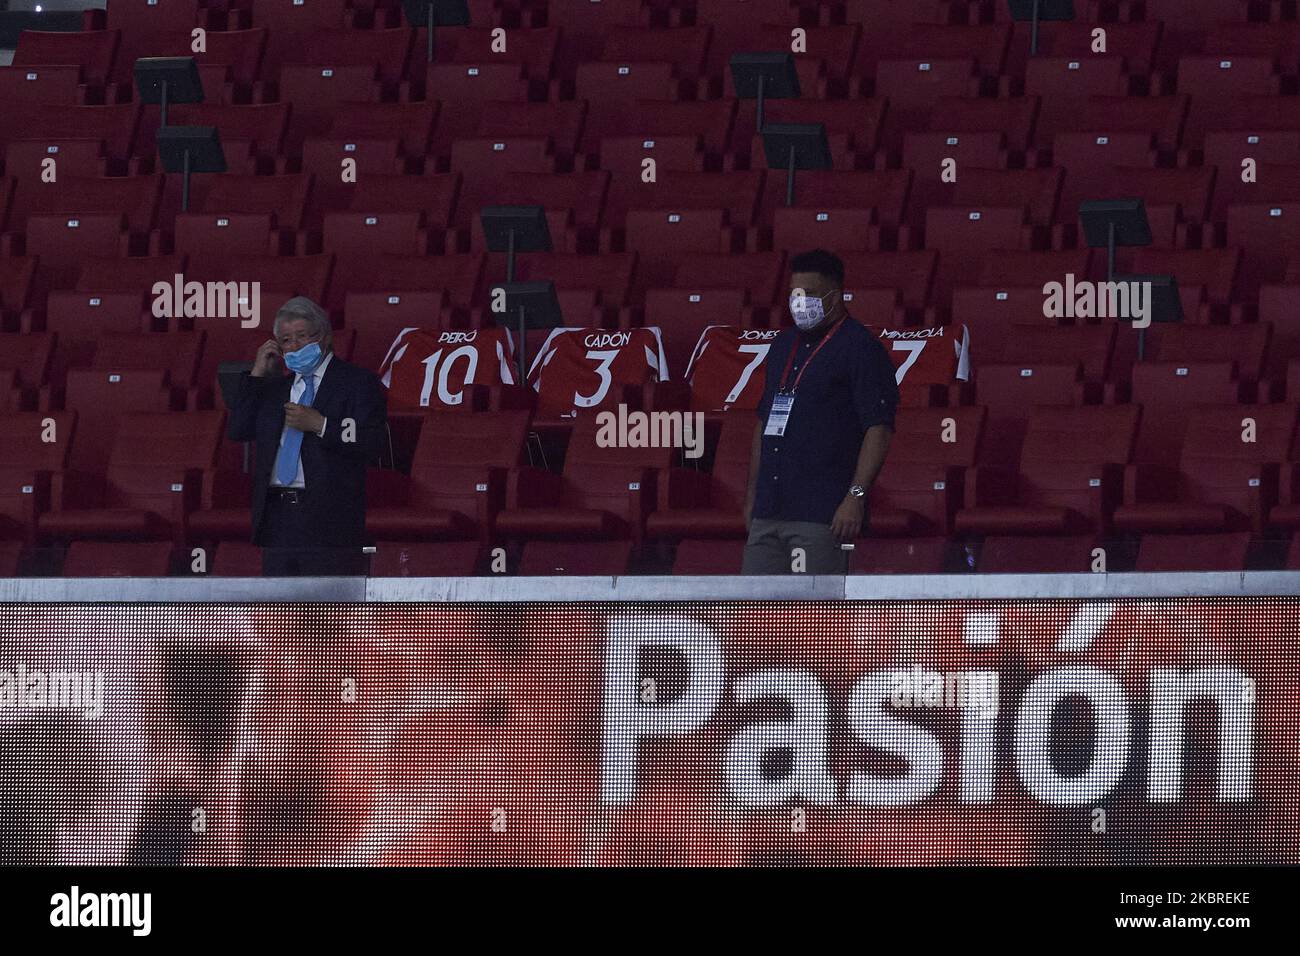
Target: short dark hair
[{"x": 823, "y": 263}]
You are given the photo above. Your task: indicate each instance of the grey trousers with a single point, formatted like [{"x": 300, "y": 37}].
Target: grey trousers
[{"x": 771, "y": 546}]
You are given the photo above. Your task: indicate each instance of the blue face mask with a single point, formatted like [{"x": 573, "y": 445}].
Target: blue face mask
[{"x": 304, "y": 360}]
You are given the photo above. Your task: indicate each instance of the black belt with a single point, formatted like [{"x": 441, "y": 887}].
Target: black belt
[{"x": 291, "y": 495}]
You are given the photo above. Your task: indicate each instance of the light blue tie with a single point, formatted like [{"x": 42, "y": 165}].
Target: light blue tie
[{"x": 286, "y": 466}]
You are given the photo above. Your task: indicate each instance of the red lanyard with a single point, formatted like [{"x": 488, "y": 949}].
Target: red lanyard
[{"x": 790, "y": 359}]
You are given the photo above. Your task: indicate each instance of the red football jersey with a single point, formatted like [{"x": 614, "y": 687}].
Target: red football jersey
[
  {"x": 431, "y": 367},
  {"x": 933, "y": 356},
  {"x": 726, "y": 369},
  {"x": 586, "y": 368}
]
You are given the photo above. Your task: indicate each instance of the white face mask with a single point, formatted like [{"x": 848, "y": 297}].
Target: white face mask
[{"x": 806, "y": 310}]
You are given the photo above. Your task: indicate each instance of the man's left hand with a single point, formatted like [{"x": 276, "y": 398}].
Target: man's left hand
[
  {"x": 847, "y": 522},
  {"x": 303, "y": 417}
]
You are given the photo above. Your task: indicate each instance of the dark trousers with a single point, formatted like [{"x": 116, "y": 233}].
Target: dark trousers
[{"x": 285, "y": 528}]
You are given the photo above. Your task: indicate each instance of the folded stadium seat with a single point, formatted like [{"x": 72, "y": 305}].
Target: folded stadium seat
[
  {"x": 583, "y": 26},
  {"x": 682, "y": 314},
  {"x": 1167, "y": 391},
  {"x": 93, "y": 50},
  {"x": 911, "y": 273},
  {"x": 1013, "y": 117},
  {"x": 177, "y": 353},
  {"x": 115, "y": 125},
  {"x": 853, "y": 129},
  {"x": 1216, "y": 83},
  {"x": 27, "y": 358},
  {"x": 491, "y": 160},
  {"x": 224, "y": 511},
  {"x": 1017, "y": 267},
  {"x": 235, "y": 559},
  {"x": 279, "y": 277},
  {"x": 1029, "y": 345},
  {"x": 251, "y": 136},
  {"x": 433, "y": 196},
  {"x": 316, "y": 92},
  {"x": 1070, "y": 475},
  {"x": 458, "y": 478},
  {"x": 825, "y": 63},
  {"x": 324, "y": 159},
  {"x": 1277, "y": 308},
  {"x": 23, "y": 87},
  {"x": 360, "y": 242},
  {"x": 1277, "y": 41},
  {"x": 378, "y": 317},
  {"x": 795, "y": 228},
  {"x": 920, "y": 486},
  {"x": 29, "y": 466},
  {"x": 1013, "y": 554},
  {"x": 1064, "y": 84},
  {"x": 1012, "y": 391},
  {"x": 410, "y": 559},
  {"x": 958, "y": 232},
  {"x": 926, "y": 153},
  {"x": 1191, "y": 23},
  {"x": 912, "y": 85},
  {"x": 711, "y": 120},
  {"x": 884, "y": 192},
  {"x": 1136, "y": 42},
  {"x": 695, "y": 504},
  {"x": 548, "y": 558},
  {"x": 458, "y": 276},
  {"x": 1036, "y": 189},
  {"x": 560, "y": 122},
  {"x": 290, "y": 22},
  {"x": 412, "y": 123},
  {"x": 1090, "y": 159},
  {"x": 995, "y": 314},
  {"x": 1213, "y": 269},
  {"x": 62, "y": 241},
  {"x": 249, "y": 203},
  {"x": 134, "y": 199},
  {"x": 17, "y": 276},
  {"x": 117, "y": 559},
  {"x": 684, "y": 47},
  {"x": 136, "y": 274},
  {"x": 1273, "y": 184},
  {"x": 760, "y": 275},
  {"x": 626, "y": 154},
  {"x": 534, "y": 49},
  {"x": 203, "y": 235},
  {"x": 898, "y": 556},
  {"x": 463, "y": 91},
  {"x": 234, "y": 54},
  {"x": 664, "y": 238},
  {"x": 100, "y": 398},
  {"x": 152, "y": 480},
  {"x": 1181, "y": 344},
  {"x": 738, "y": 193},
  {"x": 26, "y": 159},
  {"x": 602, "y": 492},
  {"x": 1227, "y": 149},
  {"x": 80, "y": 318},
  {"x": 145, "y": 26},
  {"x": 388, "y": 50},
  {"x": 1161, "y": 116},
  {"x": 708, "y": 556},
  {"x": 11, "y": 553},
  {"x": 610, "y": 89},
  {"x": 1193, "y": 552},
  {"x": 1221, "y": 482},
  {"x": 739, "y": 25}
]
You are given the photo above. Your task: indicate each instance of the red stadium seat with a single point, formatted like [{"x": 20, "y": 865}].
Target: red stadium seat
[
  {"x": 16, "y": 277},
  {"x": 1273, "y": 184},
  {"x": 533, "y": 49},
  {"x": 1038, "y": 190},
  {"x": 885, "y": 193},
  {"x": 683, "y": 47},
  {"x": 80, "y": 318},
  {"x": 711, "y": 120},
  {"x": 457, "y": 275},
  {"x": 914, "y": 84},
  {"x": 1193, "y": 552},
  {"x": 682, "y": 314},
  {"x": 663, "y": 239},
  {"x": 29, "y": 467},
  {"x": 236, "y": 559},
  {"x": 1163, "y": 117},
  {"x": 1026, "y": 346},
  {"x": 853, "y": 128},
  {"x": 103, "y": 274},
  {"x": 761, "y": 275},
  {"x": 457, "y": 482},
  {"x": 1266, "y": 233},
  {"x": 1228, "y": 148},
  {"x": 117, "y": 559},
  {"x": 911, "y": 273},
  {"x": 1009, "y": 554},
  {"x": 817, "y": 227},
  {"x": 62, "y": 241},
  {"x": 100, "y": 398},
  {"x": 280, "y": 277},
  {"x": 1013, "y": 117},
  {"x": 898, "y": 556},
  {"x": 463, "y": 92},
  {"x": 287, "y": 21},
  {"x": 737, "y": 193},
  {"x": 584, "y": 25},
  {"x": 259, "y": 129},
  {"x": 610, "y": 89},
  {"x": 574, "y": 200},
  {"x": 133, "y": 198},
  {"x": 115, "y": 125},
  {"x": 385, "y": 50},
  {"x": 1167, "y": 391},
  {"x": 995, "y": 314},
  {"x": 204, "y": 235},
  {"x": 94, "y": 51},
  {"x": 1013, "y": 267},
  {"x": 624, "y": 155},
  {"x": 10, "y": 558},
  {"x": 1135, "y": 43},
  {"x": 610, "y": 275},
  {"x": 1064, "y": 84},
  {"x": 602, "y": 493},
  {"x": 152, "y": 480},
  {"x": 561, "y": 122},
  {"x": 1222, "y": 482},
  {"x": 1069, "y": 476},
  {"x": 403, "y": 559},
  {"x": 146, "y": 26},
  {"x": 22, "y": 87},
  {"x": 26, "y": 159},
  {"x": 920, "y": 487},
  {"x": 695, "y": 505},
  {"x": 27, "y": 357},
  {"x": 413, "y": 123},
  {"x": 1214, "y": 269},
  {"x": 555, "y": 558},
  {"x": 177, "y": 353},
  {"x": 1011, "y": 392},
  {"x": 1215, "y": 83},
  {"x": 316, "y": 93}
]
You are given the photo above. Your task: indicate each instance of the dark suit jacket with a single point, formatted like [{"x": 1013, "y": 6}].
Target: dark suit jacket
[{"x": 334, "y": 470}]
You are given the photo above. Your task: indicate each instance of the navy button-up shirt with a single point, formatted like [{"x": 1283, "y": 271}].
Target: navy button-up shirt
[{"x": 849, "y": 387}]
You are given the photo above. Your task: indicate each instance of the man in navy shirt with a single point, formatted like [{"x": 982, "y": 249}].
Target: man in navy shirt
[{"x": 824, "y": 426}]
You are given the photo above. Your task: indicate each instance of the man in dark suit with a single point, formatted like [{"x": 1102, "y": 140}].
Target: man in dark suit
[{"x": 316, "y": 430}]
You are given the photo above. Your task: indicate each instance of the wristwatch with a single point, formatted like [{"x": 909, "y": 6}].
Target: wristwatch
[{"x": 857, "y": 491}]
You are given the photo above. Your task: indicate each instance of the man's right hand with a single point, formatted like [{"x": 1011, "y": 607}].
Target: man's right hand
[{"x": 266, "y": 356}]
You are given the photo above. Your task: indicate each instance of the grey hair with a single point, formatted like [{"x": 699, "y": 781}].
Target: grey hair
[{"x": 301, "y": 307}]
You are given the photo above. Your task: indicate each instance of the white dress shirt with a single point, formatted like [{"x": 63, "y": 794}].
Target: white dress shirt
[{"x": 295, "y": 396}]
